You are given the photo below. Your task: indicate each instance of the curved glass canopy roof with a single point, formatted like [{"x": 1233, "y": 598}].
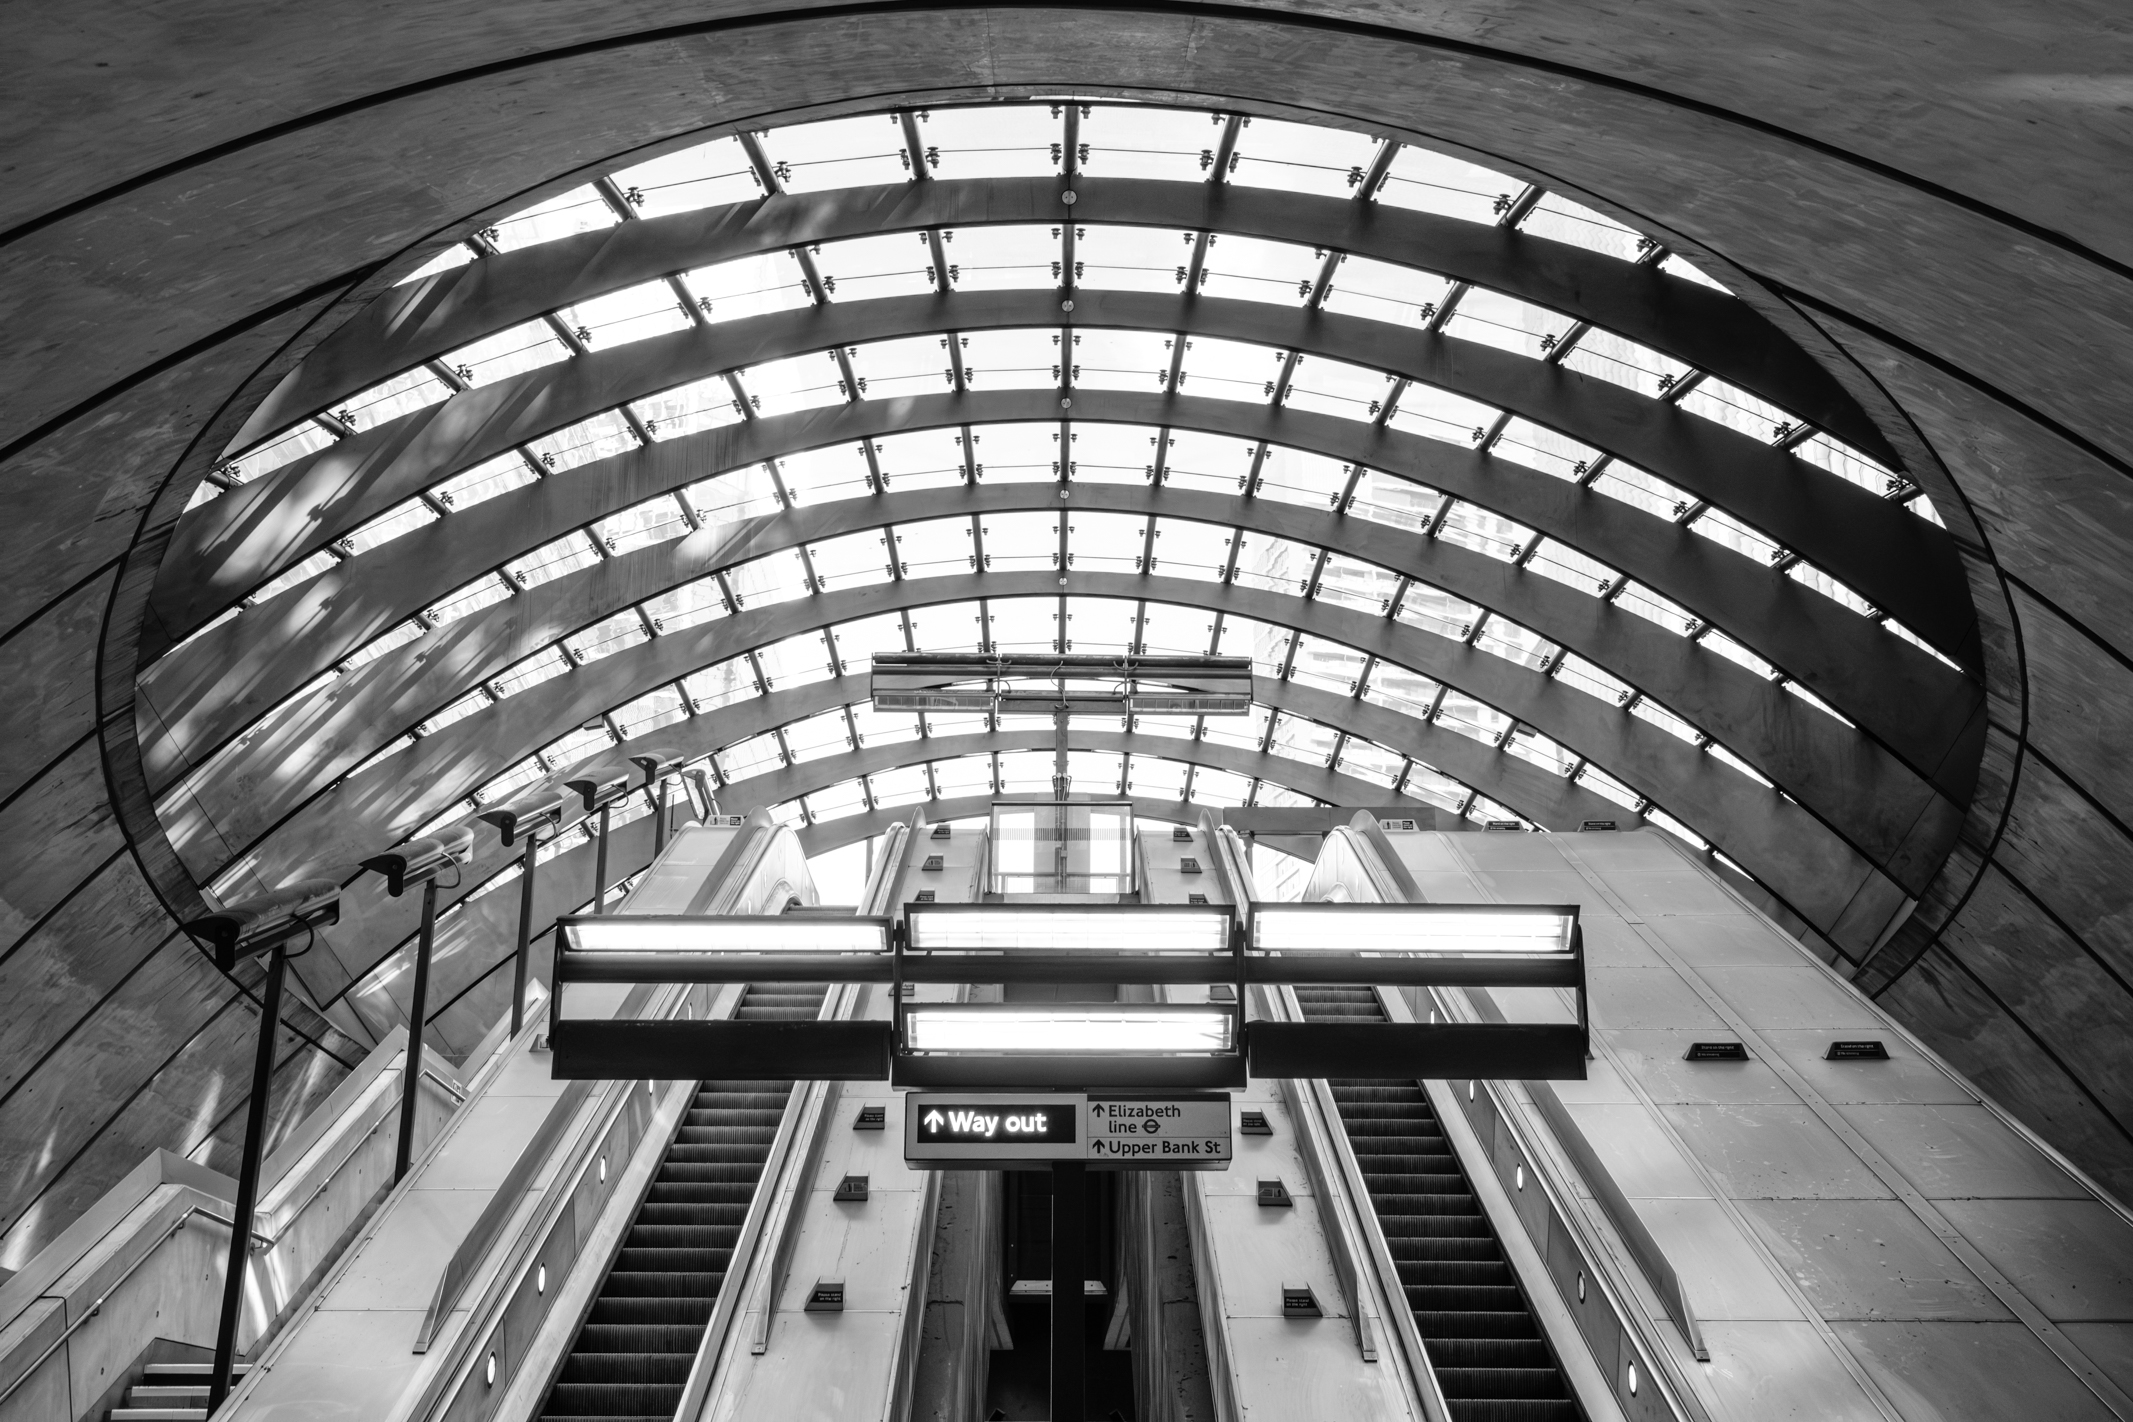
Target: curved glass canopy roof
[{"x": 1511, "y": 506}]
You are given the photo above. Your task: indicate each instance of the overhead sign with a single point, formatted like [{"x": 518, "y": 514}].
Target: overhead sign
[{"x": 1110, "y": 1130}]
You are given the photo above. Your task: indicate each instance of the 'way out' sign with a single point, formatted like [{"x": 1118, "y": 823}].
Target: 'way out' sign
[{"x": 1110, "y": 1130}]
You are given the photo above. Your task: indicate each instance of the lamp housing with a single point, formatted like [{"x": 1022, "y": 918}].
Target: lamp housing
[
  {"x": 420, "y": 860},
  {"x": 656, "y": 765},
  {"x": 253, "y": 926},
  {"x": 527, "y": 816},
  {"x": 597, "y": 793}
]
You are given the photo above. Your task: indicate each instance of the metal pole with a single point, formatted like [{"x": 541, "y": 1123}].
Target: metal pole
[
  {"x": 255, "y": 1134},
  {"x": 600, "y": 867},
  {"x": 1070, "y": 1225},
  {"x": 659, "y": 826},
  {"x": 411, "y": 1076},
  {"x": 525, "y": 937}
]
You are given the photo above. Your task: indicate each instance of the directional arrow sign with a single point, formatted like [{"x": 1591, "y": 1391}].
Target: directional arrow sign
[{"x": 1117, "y": 1130}]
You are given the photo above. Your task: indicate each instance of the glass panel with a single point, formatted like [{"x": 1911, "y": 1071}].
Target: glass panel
[
  {"x": 1218, "y": 464},
  {"x": 1003, "y": 258},
  {"x": 1734, "y": 652},
  {"x": 1675, "y": 265},
  {"x": 404, "y": 518},
  {"x": 1648, "y": 710},
  {"x": 567, "y": 751},
  {"x": 1281, "y": 797},
  {"x": 1105, "y": 542},
  {"x": 1168, "y": 629},
  {"x": 1622, "y": 361},
  {"x": 1026, "y": 773},
  {"x": 397, "y": 637},
  {"x": 1641, "y": 490},
  {"x": 1736, "y": 409},
  {"x": 286, "y": 448},
  {"x": 1333, "y": 387},
  {"x": 1566, "y": 565},
  {"x": 1274, "y": 564},
  {"x": 653, "y": 711},
  {"x": 407, "y": 392},
  {"x": 1067, "y": 848},
  {"x": 607, "y": 637},
  {"x": 653, "y": 521},
  {"x": 532, "y": 672},
  {"x": 1096, "y": 773},
  {"x": 884, "y": 728},
  {"x": 1265, "y": 644},
  {"x": 1176, "y": 728},
  {"x": 1380, "y": 291},
  {"x": 905, "y": 785},
  {"x": 1373, "y": 763},
  {"x": 1795, "y": 689},
  {"x": 721, "y": 685},
  {"x": 749, "y": 286},
  {"x": 820, "y": 476},
  {"x": 1121, "y": 360},
  {"x": 936, "y": 548},
  {"x": 1439, "y": 414},
  {"x": 799, "y": 660},
  {"x": 1848, "y": 464},
  {"x": 1719, "y": 527},
  {"x": 855, "y": 560},
  {"x": 1433, "y": 786},
  {"x": 813, "y": 737},
  {"x": 856, "y": 643},
  {"x": 1561, "y": 220},
  {"x": 459, "y": 710},
  {"x": 1664, "y": 612},
  {"x": 1012, "y": 360},
  {"x": 838, "y": 153},
  {"x": 1435, "y": 610},
  {"x": 508, "y": 784},
  {"x": 1477, "y": 528},
  {"x": 803, "y": 382},
  {"x": 1302, "y": 158},
  {"x": 1246, "y": 732},
  {"x": 1190, "y": 550},
  {"x": 1016, "y": 454},
  {"x": 837, "y": 802},
  {"x": 552, "y": 560},
  {"x": 1600, "y": 783},
  {"x": 600, "y": 437},
  {"x": 1219, "y": 789},
  {"x": 700, "y": 405},
  {"x": 1529, "y": 444},
  {"x": 1110, "y": 258},
  {"x": 579, "y": 210},
  {"x": 917, "y": 365},
  {"x": 686, "y": 606},
  {"x": 752, "y": 756},
  {"x": 1294, "y": 477},
  {"x": 1462, "y": 713},
  {"x": 1154, "y": 779},
  {"x": 1327, "y": 665},
  {"x": 1229, "y": 370},
  {"x": 949, "y": 627},
  {"x": 507, "y": 353},
  {"x": 868, "y": 268},
  {"x": 1592, "y": 680},
  {"x": 1021, "y": 542},
  {"x": 632, "y": 314},
  {"x": 707, "y": 175},
  {"x": 768, "y": 580},
  {"x": 1023, "y": 624},
  {"x": 963, "y": 775},
  {"x": 1437, "y": 182},
  {"x": 1829, "y": 587},
  {"x": 921, "y": 459},
  {"x": 1100, "y": 625},
  {"x": 1507, "y": 323},
  {"x": 1112, "y": 454},
  {"x": 997, "y": 140},
  {"x": 1252, "y": 269},
  {"x": 1398, "y": 689},
  {"x": 1515, "y": 643},
  {"x": 484, "y": 481},
  {"x": 1134, "y": 142},
  {"x": 1393, "y": 501},
  {"x": 298, "y": 573}
]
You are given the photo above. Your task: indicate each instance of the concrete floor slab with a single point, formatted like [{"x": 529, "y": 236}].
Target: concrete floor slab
[
  {"x": 1773, "y": 1152},
  {"x": 1870, "y": 1259},
  {"x": 2071, "y": 1258},
  {"x": 1970, "y": 1372},
  {"x": 1953, "y": 1151}
]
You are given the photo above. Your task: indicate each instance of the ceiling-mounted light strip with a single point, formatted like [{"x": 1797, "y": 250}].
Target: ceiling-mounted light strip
[
  {"x": 1069, "y": 1028},
  {"x": 1065, "y": 929},
  {"x": 1411, "y": 928},
  {"x": 626, "y": 933}
]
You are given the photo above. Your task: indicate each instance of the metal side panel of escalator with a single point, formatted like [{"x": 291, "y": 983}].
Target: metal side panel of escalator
[
  {"x": 1492, "y": 1361},
  {"x": 632, "y": 1355}
]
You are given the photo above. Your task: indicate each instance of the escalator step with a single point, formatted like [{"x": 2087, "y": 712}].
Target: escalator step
[{"x": 1491, "y": 1360}]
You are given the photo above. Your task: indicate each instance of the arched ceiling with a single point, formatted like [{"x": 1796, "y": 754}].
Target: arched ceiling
[{"x": 1560, "y": 446}]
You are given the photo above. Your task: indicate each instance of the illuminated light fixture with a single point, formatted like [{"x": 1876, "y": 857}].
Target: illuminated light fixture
[
  {"x": 1411, "y": 928},
  {"x": 1063, "y": 1029},
  {"x": 633, "y": 933},
  {"x": 1055, "y": 928}
]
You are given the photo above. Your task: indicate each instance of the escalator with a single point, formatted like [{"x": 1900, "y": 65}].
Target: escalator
[
  {"x": 1491, "y": 1360},
  {"x": 632, "y": 1356}
]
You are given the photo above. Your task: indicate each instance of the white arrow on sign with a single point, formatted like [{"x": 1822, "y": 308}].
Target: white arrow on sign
[{"x": 933, "y": 1120}]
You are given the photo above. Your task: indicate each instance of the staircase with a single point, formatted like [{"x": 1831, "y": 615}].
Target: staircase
[
  {"x": 632, "y": 1357},
  {"x": 1488, "y": 1353},
  {"x": 169, "y": 1392}
]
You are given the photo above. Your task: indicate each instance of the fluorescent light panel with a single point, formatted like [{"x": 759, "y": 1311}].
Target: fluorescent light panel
[
  {"x": 1068, "y": 1028},
  {"x": 622, "y": 933},
  {"x": 1408, "y": 928},
  {"x": 1047, "y": 928}
]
